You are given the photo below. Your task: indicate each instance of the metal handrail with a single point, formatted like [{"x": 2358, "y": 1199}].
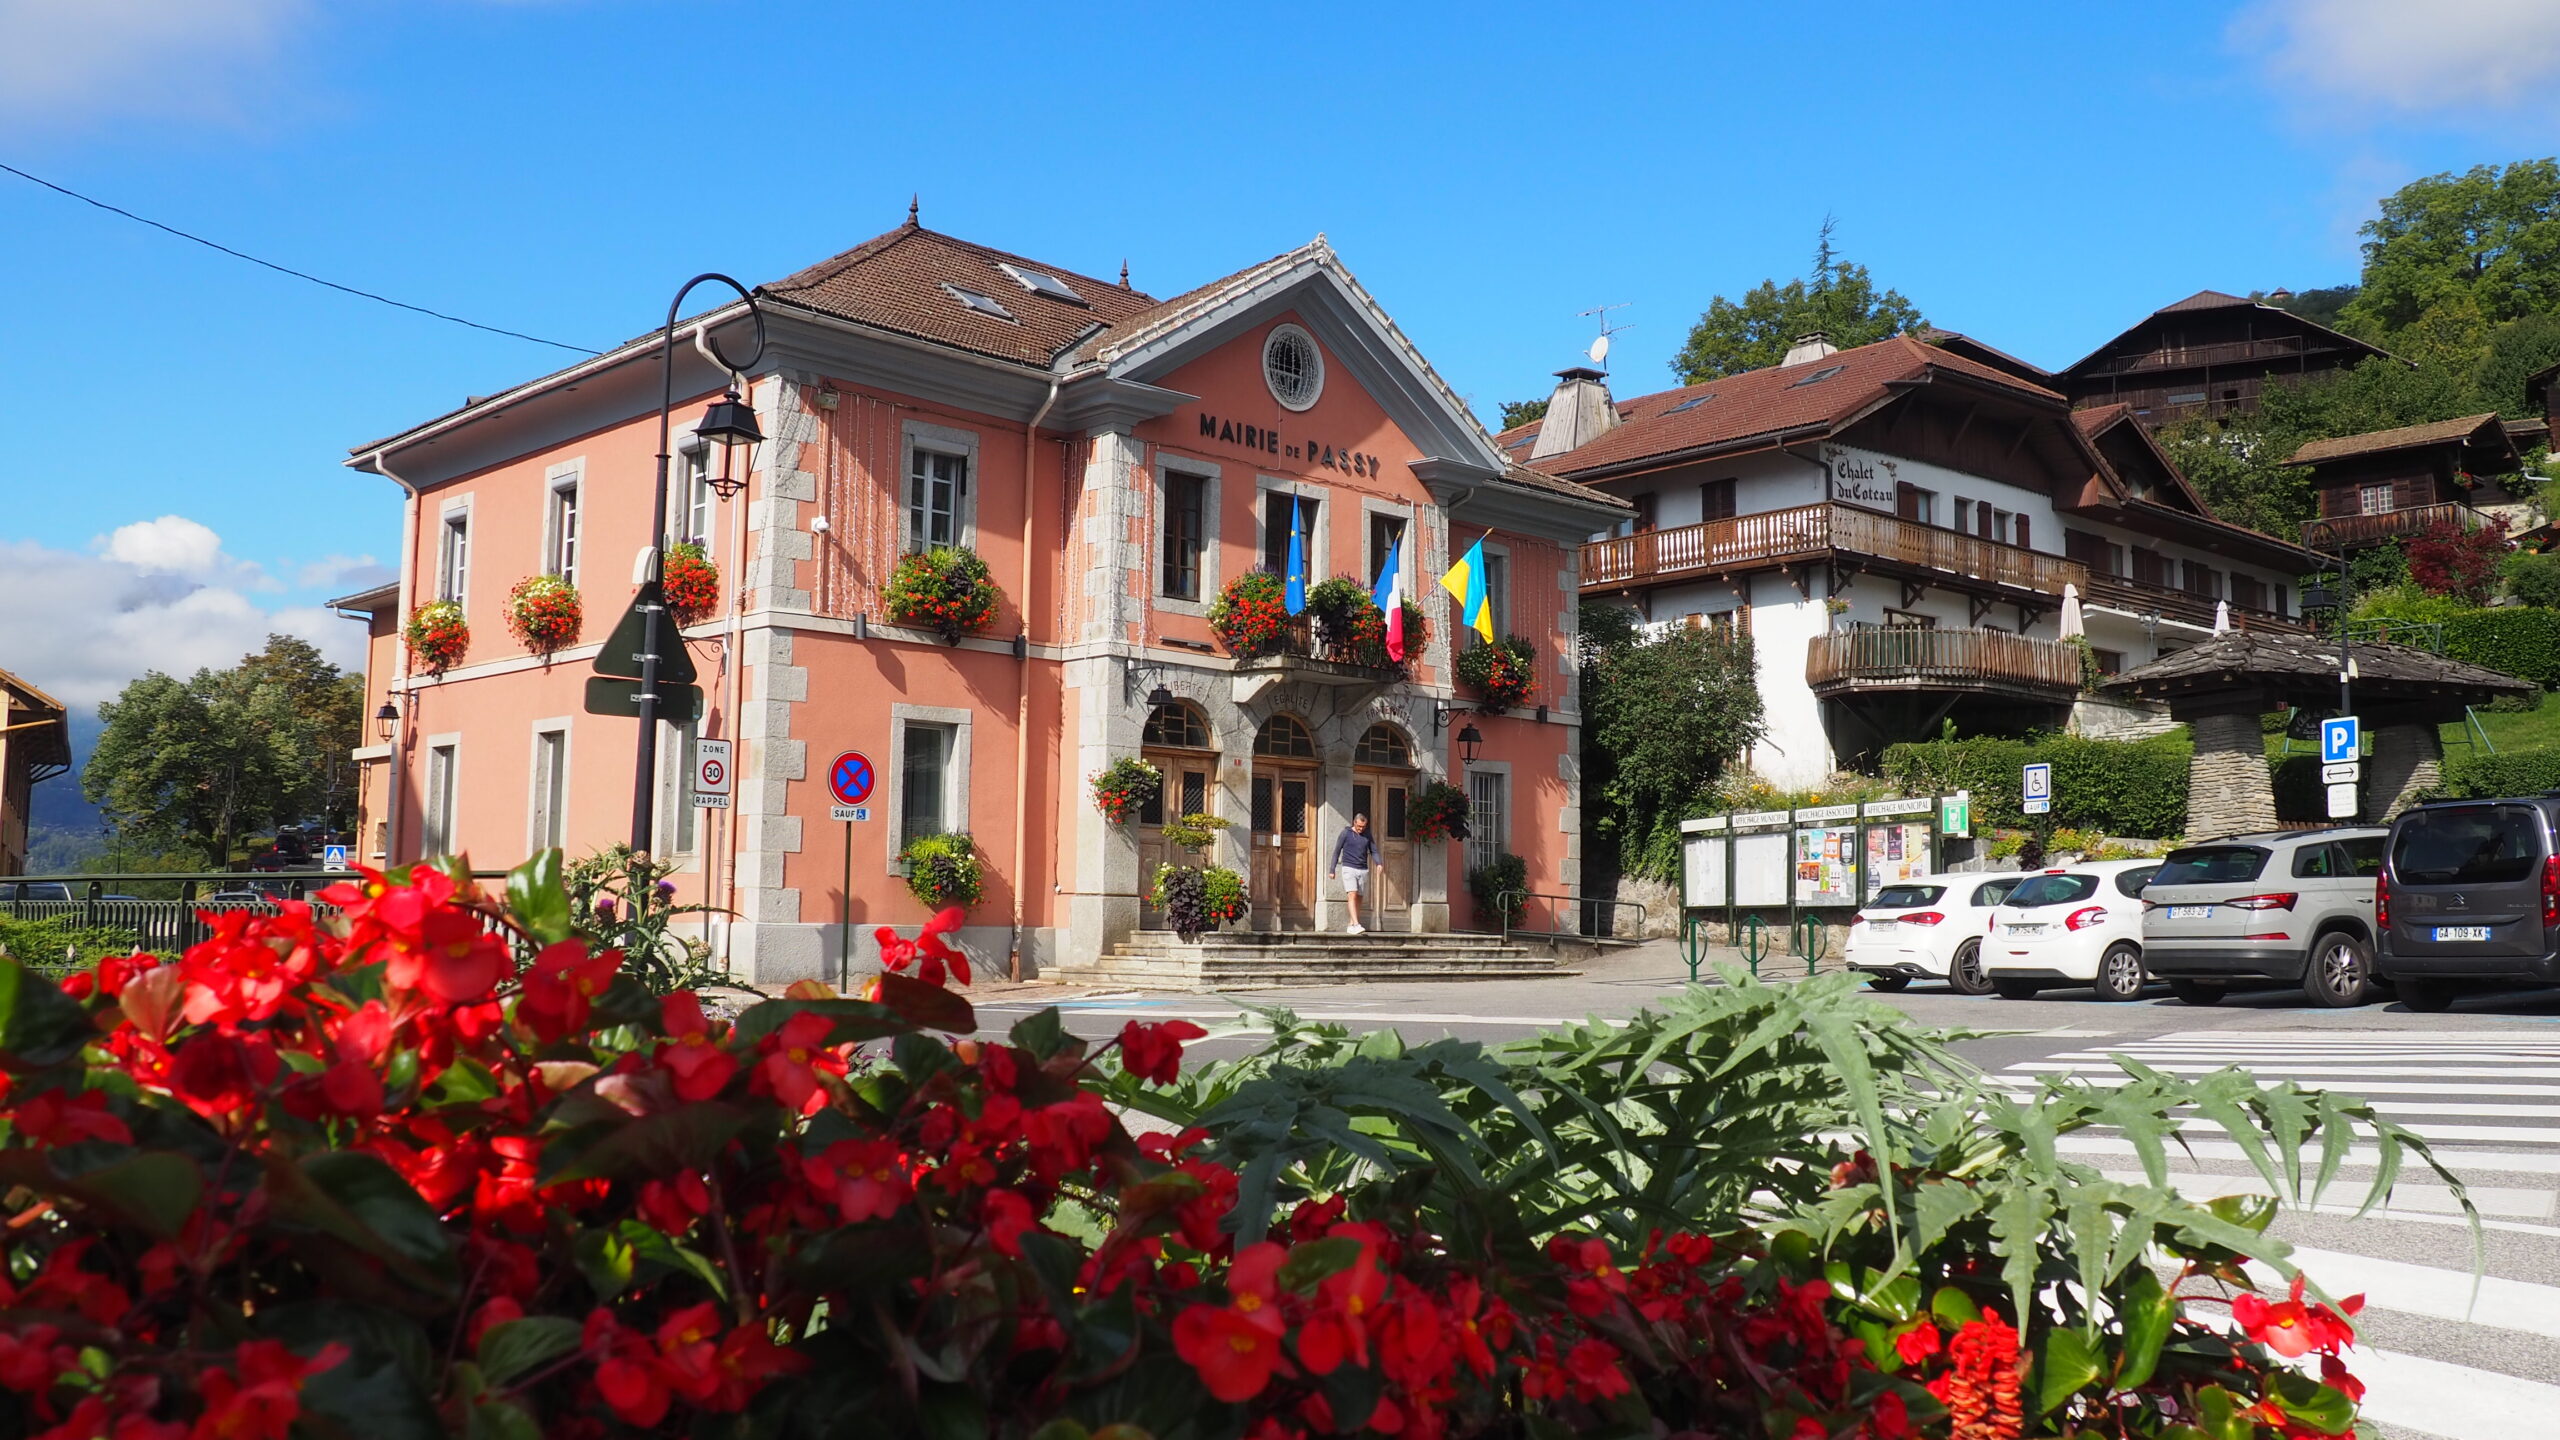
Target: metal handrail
[{"x": 1502, "y": 910}]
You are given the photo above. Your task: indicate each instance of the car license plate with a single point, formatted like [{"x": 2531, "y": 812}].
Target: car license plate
[
  {"x": 1883, "y": 925},
  {"x": 2462, "y": 932},
  {"x": 2190, "y": 912},
  {"x": 2026, "y": 929}
]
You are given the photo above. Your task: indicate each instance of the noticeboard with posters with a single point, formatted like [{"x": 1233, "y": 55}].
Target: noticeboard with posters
[
  {"x": 1826, "y": 865},
  {"x": 1896, "y": 855}
]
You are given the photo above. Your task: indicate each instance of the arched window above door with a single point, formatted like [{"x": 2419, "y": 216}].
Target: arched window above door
[
  {"x": 1284, "y": 736},
  {"x": 1384, "y": 746},
  {"x": 1176, "y": 727}
]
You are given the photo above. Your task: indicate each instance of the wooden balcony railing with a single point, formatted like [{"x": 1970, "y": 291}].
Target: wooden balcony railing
[
  {"x": 2227, "y": 352},
  {"x": 1892, "y": 658},
  {"x": 2352, "y": 530},
  {"x": 1814, "y": 532},
  {"x": 2117, "y": 593}
]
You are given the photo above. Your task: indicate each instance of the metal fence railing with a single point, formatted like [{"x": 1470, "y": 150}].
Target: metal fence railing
[
  {"x": 1592, "y": 916},
  {"x": 171, "y": 918}
]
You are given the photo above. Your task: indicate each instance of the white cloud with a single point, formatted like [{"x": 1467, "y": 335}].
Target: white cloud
[
  {"x": 172, "y": 544},
  {"x": 2457, "y": 56},
  {"x": 81, "y": 626},
  {"x": 344, "y": 574},
  {"x": 71, "y": 60}
]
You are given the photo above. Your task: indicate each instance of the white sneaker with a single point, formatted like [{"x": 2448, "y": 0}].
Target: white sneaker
[{"x": 1356, "y": 928}]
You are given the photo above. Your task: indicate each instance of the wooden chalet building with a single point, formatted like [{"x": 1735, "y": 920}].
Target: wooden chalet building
[
  {"x": 1896, "y": 526},
  {"x": 2209, "y": 354},
  {"x": 2390, "y": 485}
]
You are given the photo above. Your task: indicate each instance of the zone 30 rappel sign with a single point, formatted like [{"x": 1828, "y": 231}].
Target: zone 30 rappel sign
[{"x": 713, "y": 780}]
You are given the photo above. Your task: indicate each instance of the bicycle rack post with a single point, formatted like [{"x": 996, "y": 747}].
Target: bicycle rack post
[
  {"x": 1809, "y": 942},
  {"x": 1693, "y": 943},
  {"x": 1754, "y": 942}
]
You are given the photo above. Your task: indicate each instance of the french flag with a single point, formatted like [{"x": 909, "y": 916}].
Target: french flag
[{"x": 1390, "y": 597}]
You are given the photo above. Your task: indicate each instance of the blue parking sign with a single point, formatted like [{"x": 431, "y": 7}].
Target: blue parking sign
[{"x": 2341, "y": 740}]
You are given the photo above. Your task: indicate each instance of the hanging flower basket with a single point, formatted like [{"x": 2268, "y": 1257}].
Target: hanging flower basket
[
  {"x": 542, "y": 611},
  {"x": 437, "y": 635},
  {"x": 1197, "y": 899},
  {"x": 1437, "y": 812},
  {"x": 1502, "y": 674},
  {"x": 943, "y": 871},
  {"x": 691, "y": 583},
  {"x": 944, "y": 589},
  {"x": 1125, "y": 785},
  {"x": 1251, "y": 615}
]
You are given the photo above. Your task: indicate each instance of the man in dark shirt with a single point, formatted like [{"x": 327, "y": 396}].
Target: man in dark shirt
[{"x": 1353, "y": 855}]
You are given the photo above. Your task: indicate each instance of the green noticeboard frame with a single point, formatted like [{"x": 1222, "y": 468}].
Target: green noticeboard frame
[{"x": 1917, "y": 828}]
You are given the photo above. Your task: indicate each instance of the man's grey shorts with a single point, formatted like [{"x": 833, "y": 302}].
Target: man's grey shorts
[{"x": 1355, "y": 880}]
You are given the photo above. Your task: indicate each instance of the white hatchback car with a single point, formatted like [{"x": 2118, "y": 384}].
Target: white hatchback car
[
  {"x": 1928, "y": 929},
  {"x": 2072, "y": 925}
]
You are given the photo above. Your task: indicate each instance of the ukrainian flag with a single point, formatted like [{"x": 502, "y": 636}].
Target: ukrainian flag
[{"x": 1465, "y": 580}]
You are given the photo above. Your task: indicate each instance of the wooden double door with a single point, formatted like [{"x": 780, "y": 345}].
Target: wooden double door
[
  {"x": 1382, "y": 796},
  {"x": 1284, "y": 845},
  {"x": 1190, "y": 778}
]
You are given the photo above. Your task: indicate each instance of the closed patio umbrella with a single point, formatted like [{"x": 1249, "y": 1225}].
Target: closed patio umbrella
[{"x": 2072, "y": 627}]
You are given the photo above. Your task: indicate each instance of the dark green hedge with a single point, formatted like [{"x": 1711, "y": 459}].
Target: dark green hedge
[
  {"x": 2513, "y": 772},
  {"x": 2518, "y": 640},
  {"x": 2121, "y": 787},
  {"x": 2300, "y": 793}
]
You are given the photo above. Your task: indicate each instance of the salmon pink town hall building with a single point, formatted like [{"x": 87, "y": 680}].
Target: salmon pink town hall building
[{"x": 1117, "y": 461}]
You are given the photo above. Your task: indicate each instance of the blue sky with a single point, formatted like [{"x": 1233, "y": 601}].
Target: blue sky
[{"x": 2037, "y": 175}]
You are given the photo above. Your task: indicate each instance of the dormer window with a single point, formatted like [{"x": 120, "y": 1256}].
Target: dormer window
[{"x": 983, "y": 304}]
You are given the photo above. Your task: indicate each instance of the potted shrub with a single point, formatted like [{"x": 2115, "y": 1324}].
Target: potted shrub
[
  {"x": 1500, "y": 888},
  {"x": 1125, "y": 785},
  {"x": 1250, "y": 615},
  {"x": 1436, "y": 812},
  {"x": 1353, "y": 630},
  {"x": 543, "y": 613},
  {"x": 945, "y": 589},
  {"x": 943, "y": 871},
  {"x": 690, "y": 582},
  {"x": 1503, "y": 674},
  {"x": 1199, "y": 899},
  {"x": 437, "y": 635}
]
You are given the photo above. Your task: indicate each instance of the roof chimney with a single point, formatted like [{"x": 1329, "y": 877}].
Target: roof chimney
[
  {"x": 1808, "y": 348},
  {"x": 1578, "y": 413}
]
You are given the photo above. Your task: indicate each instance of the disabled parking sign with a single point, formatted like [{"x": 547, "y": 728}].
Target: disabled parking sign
[{"x": 2035, "y": 789}]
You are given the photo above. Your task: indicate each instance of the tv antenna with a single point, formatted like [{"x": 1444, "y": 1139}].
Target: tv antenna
[{"x": 1599, "y": 351}]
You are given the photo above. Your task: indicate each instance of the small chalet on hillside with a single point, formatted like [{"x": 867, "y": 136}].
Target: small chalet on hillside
[
  {"x": 2390, "y": 485},
  {"x": 1897, "y": 526},
  {"x": 2209, "y": 354}
]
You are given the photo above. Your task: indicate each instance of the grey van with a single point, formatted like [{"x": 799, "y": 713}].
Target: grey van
[
  {"x": 2469, "y": 894},
  {"x": 2289, "y": 906}
]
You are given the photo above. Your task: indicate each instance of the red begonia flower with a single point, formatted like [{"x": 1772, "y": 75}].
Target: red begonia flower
[
  {"x": 1154, "y": 1052},
  {"x": 1233, "y": 1356}
]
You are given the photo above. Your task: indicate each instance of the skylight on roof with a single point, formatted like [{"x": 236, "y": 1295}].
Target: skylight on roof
[
  {"x": 1040, "y": 282},
  {"x": 983, "y": 304},
  {"x": 1818, "y": 376},
  {"x": 1523, "y": 440},
  {"x": 1692, "y": 403}
]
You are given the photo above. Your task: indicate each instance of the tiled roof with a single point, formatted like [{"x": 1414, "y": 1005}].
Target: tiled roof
[
  {"x": 2096, "y": 420},
  {"x": 2406, "y": 437},
  {"x": 1821, "y": 394},
  {"x": 895, "y": 281},
  {"x": 2206, "y": 300},
  {"x": 1960, "y": 343}
]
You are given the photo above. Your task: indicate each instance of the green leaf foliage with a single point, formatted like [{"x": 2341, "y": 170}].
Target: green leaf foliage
[
  {"x": 2120, "y": 787},
  {"x": 1660, "y": 722},
  {"x": 1839, "y": 299}
]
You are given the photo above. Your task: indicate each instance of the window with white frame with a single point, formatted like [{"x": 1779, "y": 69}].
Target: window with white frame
[
  {"x": 926, "y": 805},
  {"x": 442, "y": 760},
  {"x": 678, "y": 821},
  {"x": 1488, "y": 817},
  {"x": 453, "y": 557},
  {"x": 937, "y": 489},
  {"x": 560, "y": 527},
  {"x": 550, "y": 824},
  {"x": 691, "y": 521}
]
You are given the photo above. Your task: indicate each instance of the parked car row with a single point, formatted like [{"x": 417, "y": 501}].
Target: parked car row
[{"x": 2452, "y": 895}]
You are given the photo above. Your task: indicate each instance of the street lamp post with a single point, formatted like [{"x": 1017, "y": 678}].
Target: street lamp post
[
  {"x": 731, "y": 424},
  {"x": 2320, "y": 597}
]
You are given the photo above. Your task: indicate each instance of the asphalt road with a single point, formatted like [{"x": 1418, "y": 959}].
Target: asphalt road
[{"x": 2444, "y": 1352}]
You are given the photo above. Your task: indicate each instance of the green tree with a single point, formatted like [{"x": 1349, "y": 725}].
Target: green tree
[
  {"x": 2320, "y": 306},
  {"x": 2236, "y": 464},
  {"x": 195, "y": 766},
  {"x": 2490, "y": 234},
  {"x": 2516, "y": 349},
  {"x": 1516, "y": 413},
  {"x": 1659, "y": 721},
  {"x": 1839, "y": 299}
]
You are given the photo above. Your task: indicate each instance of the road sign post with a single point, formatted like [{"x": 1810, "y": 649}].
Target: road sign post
[
  {"x": 849, "y": 780},
  {"x": 2341, "y": 762},
  {"x": 713, "y": 780},
  {"x": 2035, "y": 789}
]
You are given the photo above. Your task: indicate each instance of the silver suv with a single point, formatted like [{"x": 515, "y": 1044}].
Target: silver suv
[{"x": 2292, "y": 906}]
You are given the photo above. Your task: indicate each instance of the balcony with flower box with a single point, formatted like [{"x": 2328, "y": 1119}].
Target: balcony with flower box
[{"x": 2354, "y": 532}]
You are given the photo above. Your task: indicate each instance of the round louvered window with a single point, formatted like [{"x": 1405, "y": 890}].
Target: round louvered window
[{"x": 1292, "y": 367}]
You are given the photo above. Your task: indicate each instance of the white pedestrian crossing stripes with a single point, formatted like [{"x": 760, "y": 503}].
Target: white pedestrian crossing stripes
[{"x": 2487, "y": 1103}]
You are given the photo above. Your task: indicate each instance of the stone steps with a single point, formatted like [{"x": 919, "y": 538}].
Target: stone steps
[{"x": 1160, "y": 960}]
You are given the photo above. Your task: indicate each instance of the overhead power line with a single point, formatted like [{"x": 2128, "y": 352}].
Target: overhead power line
[{"x": 289, "y": 270}]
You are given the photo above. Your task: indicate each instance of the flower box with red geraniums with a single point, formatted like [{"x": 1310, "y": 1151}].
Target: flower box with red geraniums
[
  {"x": 690, "y": 582},
  {"x": 1124, "y": 787},
  {"x": 1437, "y": 811},
  {"x": 1503, "y": 673},
  {"x": 945, "y": 589},
  {"x": 543, "y": 613},
  {"x": 1250, "y": 617},
  {"x": 437, "y": 635}
]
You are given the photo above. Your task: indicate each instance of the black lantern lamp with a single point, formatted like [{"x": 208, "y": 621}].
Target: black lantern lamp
[
  {"x": 2319, "y": 596},
  {"x": 730, "y": 423},
  {"x": 1468, "y": 739},
  {"x": 1160, "y": 697},
  {"x": 385, "y": 720}
]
